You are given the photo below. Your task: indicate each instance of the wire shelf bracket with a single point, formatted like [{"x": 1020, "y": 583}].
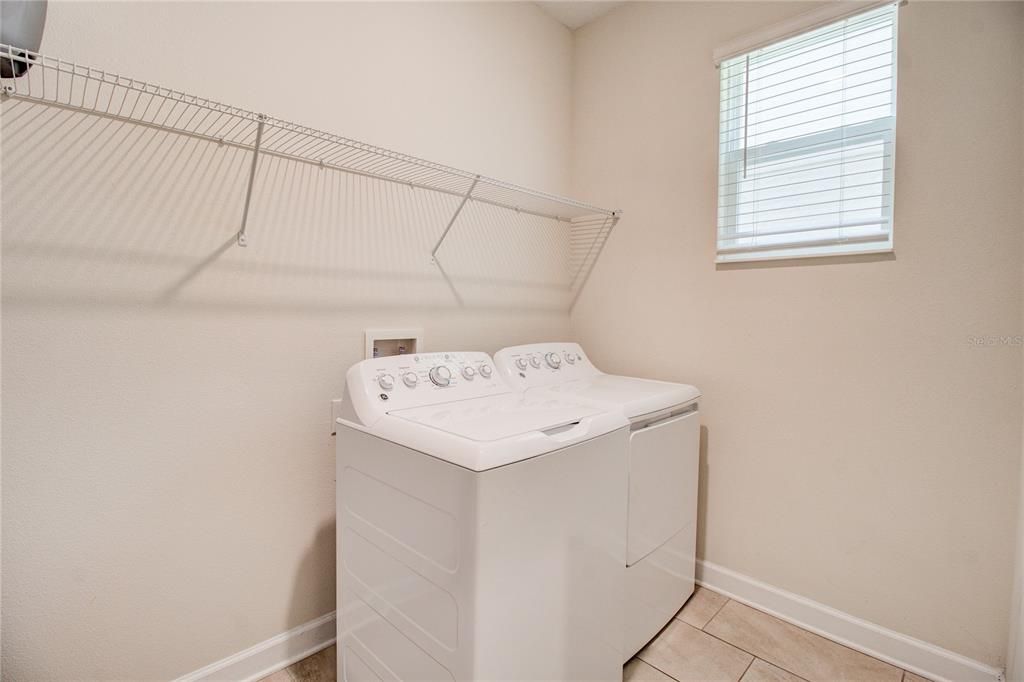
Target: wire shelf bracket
[
  {"x": 455, "y": 216},
  {"x": 66, "y": 85},
  {"x": 242, "y": 239}
]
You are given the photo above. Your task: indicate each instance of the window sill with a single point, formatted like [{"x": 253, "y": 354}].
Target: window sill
[{"x": 800, "y": 254}]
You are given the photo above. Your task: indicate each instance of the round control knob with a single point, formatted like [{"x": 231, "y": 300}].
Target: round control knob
[
  {"x": 554, "y": 362},
  {"x": 410, "y": 379},
  {"x": 570, "y": 358},
  {"x": 386, "y": 382},
  {"x": 535, "y": 361},
  {"x": 485, "y": 371},
  {"x": 440, "y": 375},
  {"x": 468, "y": 373},
  {"x": 521, "y": 363}
]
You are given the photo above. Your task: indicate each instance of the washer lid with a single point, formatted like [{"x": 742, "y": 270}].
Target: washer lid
[
  {"x": 636, "y": 397},
  {"x": 501, "y": 416},
  {"x": 492, "y": 431}
]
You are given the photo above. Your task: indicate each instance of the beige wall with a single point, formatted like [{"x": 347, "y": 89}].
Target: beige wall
[
  {"x": 167, "y": 466},
  {"x": 1015, "y": 642},
  {"x": 1015, "y": 645},
  {"x": 198, "y": 519},
  {"x": 860, "y": 450}
]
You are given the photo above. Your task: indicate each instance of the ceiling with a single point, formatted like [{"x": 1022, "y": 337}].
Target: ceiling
[{"x": 578, "y": 13}]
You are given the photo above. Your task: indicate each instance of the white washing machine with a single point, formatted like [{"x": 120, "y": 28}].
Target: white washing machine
[
  {"x": 664, "y": 444},
  {"x": 481, "y": 531}
]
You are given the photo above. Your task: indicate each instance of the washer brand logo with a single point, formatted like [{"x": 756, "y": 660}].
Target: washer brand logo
[{"x": 383, "y": 396}]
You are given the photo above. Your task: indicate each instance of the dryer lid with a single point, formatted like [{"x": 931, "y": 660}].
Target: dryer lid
[
  {"x": 636, "y": 397},
  {"x": 563, "y": 368}
]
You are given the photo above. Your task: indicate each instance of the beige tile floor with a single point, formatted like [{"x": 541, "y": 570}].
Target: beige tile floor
[{"x": 712, "y": 639}]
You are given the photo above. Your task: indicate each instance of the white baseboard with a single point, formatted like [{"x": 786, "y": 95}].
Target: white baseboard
[
  {"x": 915, "y": 655},
  {"x": 271, "y": 655},
  {"x": 908, "y": 653}
]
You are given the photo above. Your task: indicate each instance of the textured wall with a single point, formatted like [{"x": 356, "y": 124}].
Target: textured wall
[
  {"x": 861, "y": 450},
  {"x": 1015, "y": 646},
  {"x": 168, "y": 471}
]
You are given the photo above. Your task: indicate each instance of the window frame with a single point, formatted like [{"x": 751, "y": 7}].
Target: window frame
[{"x": 881, "y": 130}]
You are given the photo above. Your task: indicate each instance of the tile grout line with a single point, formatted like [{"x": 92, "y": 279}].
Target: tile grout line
[
  {"x": 753, "y": 657},
  {"x": 751, "y": 653},
  {"x": 757, "y": 657},
  {"x": 717, "y": 611},
  {"x": 641, "y": 658},
  {"x": 747, "y": 669},
  {"x": 738, "y": 648},
  {"x": 658, "y": 669},
  {"x": 730, "y": 644},
  {"x": 903, "y": 673}
]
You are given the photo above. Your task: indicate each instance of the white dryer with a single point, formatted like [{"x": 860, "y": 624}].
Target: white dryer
[
  {"x": 663, "y": 456},
  {"x": 481, "y": 531}
]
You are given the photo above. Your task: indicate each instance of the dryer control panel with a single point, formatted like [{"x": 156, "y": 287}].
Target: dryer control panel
[
  {"x": 543, "y": 364},
  {"x": 381, "y": 385}
]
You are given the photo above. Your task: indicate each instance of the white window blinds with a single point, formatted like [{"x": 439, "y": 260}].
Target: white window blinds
[{"x": 806, "y": 143}]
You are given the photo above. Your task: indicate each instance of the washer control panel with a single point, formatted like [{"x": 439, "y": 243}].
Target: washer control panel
[
  {"x": 543, "y": 364},
  {"x": 381, "y": 385}
]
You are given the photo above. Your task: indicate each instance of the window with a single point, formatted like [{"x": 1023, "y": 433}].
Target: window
[{"x": 806, "y": 143}]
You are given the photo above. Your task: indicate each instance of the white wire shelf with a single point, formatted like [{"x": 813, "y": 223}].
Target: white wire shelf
[{"x": 34, "y": 77}]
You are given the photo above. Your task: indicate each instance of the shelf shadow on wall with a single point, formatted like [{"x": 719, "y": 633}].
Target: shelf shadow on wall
[
  {"x": 172, "y": 291},
  {"x": 103, "y": 212}
]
